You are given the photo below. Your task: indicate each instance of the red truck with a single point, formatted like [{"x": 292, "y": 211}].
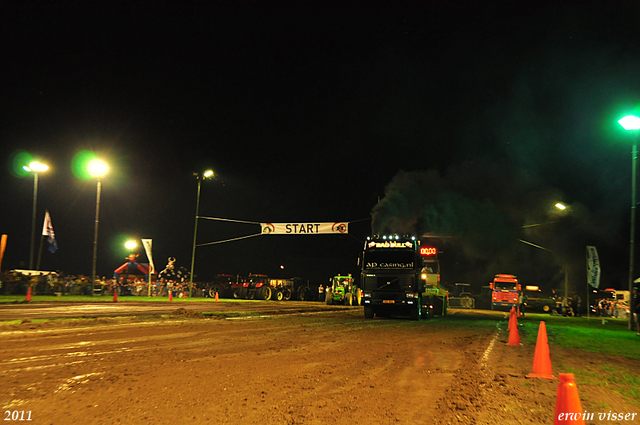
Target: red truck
[{"x": 505, "y": 292}]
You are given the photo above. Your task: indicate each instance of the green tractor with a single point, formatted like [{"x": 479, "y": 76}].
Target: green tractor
[{"x": 343, "y": 290}]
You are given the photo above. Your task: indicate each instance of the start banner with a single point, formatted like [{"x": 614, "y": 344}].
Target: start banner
[{"x": 305, "y": 228}]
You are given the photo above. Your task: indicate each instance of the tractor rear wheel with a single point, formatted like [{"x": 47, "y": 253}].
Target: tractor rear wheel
[
  {"x": 287, "y": 294},
  {"x": 266, "y": 293},
  {"x": 216, "y": 288}
]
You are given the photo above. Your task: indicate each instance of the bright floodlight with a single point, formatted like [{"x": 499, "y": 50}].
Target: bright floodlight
[
  {"x": 208, "y": 173},
  {"x": 561, "y": 206},
  {"x": 97, "y": 168},
  {"x": 36, "y": 167},
  {"x": 630, "y": 122},
  {"x": 130, "y": 244}
]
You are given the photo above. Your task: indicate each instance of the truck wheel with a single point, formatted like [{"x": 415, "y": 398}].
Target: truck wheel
[
  {"x": 368, "y": 312},
  {"x": 302, "y": 295},
  {"x": 416, "y": 312},
  {"x": 279, "y": 296},
  {"x": 546, "y": 308},
  {"x": 438, "y": 306}
]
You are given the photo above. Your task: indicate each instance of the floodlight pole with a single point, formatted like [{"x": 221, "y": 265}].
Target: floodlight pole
[
  {"x": 634, "y": 159},
  {"x": 33, "y": 218},
  {"x": 195, "y": 234},
  {"x": 95, "y": 237}
]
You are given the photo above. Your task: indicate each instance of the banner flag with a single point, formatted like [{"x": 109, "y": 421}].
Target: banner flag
[
  {"x": 147, "y": 243},
  {"x": 593, "y": 267},
  {"x": 47, "y": 230},
  {"x": 305, "y": 228}
]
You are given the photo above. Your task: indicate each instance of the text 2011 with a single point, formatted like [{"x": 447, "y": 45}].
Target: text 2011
[{"x": 17, "y": 415}]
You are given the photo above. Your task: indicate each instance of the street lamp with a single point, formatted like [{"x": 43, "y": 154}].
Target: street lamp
[
  {"x": 632, "y": 123},
  {"x": 562, "y": 207},
  {"x": 200, "y": 177},
  {"x": 130, "y": 245},
  {"x": 36, "y": 168},
  {"x": 96, "y": 168}
]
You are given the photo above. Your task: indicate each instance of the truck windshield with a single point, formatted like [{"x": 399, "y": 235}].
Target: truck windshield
[
  {"x": 506, "y": 285},
  {"x": 392, "y": 282},
  {"x": 389, "y": 259}
]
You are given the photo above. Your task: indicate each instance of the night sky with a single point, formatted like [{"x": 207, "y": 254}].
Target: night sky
[{"x": 464, "y": 120}]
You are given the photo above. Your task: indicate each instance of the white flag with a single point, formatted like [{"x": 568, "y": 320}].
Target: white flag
[
  {"x": 47, "y": 230},
  {"x": 593, "y": 267},
  {"x": 147, "y": 243}
]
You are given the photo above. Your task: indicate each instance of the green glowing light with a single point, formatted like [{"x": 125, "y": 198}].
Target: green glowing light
[
  {"x": 630, "y": 122},
  {"x": 19, "y": 160},
  {"x": 85, "y": 165}
]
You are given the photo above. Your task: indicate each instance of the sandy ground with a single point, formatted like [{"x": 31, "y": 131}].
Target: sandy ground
[{"x": 300, "y": 368}]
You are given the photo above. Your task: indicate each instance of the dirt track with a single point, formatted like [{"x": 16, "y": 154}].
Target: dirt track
[{"x": 303, "y": 368}]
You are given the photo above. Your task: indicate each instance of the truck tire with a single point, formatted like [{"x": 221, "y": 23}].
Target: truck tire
[
  {"x": 302, "y": 296},
  {"x": 416, "y": 312},
  {"x": 368, "y": 312},
  {"x": 438, "y": 306},
  {"x": 279, "y": 295},
  {"x": 546, "y": 308}
]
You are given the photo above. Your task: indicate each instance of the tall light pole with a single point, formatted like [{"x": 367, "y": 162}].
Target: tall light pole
[
  {"x": 36, "y": 168},
  {"x": 97, "y": 168},
  {"x": 632, "y": 123},
  {"x": 562, "y": 207},
  {"x": 200, "y": 177}
]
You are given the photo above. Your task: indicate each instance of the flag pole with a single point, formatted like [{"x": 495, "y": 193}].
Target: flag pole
[{"x": 39, "y": 254}]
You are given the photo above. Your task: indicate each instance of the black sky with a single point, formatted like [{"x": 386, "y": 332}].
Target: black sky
[{"x": 307, "y": 112}]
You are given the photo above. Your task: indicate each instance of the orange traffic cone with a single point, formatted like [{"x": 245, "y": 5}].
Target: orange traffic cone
[
  {"x": 28, "y": 298},
  {"x": 568, "y": 406},
  {"x": 216, "y": 298},
  {"x": 115, "y": 294},
  {"x": 512, "y": 314},
  {"x": 514, "y": 336},
  {"x": 170, "y": 295},
  {"x": 541, "y": 359}
]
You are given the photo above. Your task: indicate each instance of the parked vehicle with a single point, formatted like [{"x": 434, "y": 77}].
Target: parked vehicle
[{"x": 343, "y": 290}]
